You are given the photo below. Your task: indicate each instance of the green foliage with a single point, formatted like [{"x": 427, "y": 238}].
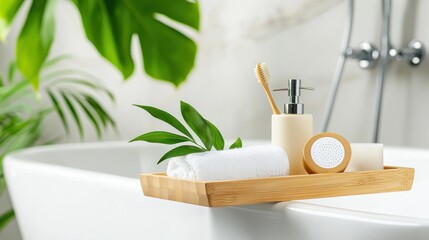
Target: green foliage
[
  {"x": 198, "y": 124},
  {"x": 180, "y": 151},
  {"x": 206, "y": 131},
  {"x": 6, "y": 217},
  {"x": 35, "y": 40},
  {"x": 236, "y": 144},
  {"x": 16, "y": 132},
  {"x": 71, "y": 94},
  {"x": 218, "y": 141},
  {"x": 21, "y": 122},
  {"x": 168, "y": 54},
  {"x": 166, "y": 117},
  {"x": 161, "y": 137},
  {"x": 8, "y": 9}
]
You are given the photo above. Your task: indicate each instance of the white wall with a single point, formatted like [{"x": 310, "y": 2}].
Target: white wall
[
  {"x": 235, "y": 35},
  {"x": 233, "y": 40}
]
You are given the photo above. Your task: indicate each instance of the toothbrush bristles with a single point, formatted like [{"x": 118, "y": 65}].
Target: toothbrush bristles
[
  {"x": 265, "y": 71},
  {"x": 262, "y": 74}
]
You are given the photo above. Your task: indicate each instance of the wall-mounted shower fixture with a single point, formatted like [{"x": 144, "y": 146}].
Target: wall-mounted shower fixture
[
  {"x": 367, "y": 56},
  {"x": 414, "y": 53}
]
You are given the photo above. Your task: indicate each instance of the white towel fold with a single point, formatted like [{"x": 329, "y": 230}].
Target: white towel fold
[{"x": 241, "y": 163}]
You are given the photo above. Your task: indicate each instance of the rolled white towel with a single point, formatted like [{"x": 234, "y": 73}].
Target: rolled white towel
[{"x": 241, "y": 163}]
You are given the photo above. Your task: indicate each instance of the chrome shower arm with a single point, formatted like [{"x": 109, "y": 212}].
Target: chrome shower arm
[
  {"x": 384, "y": 59},
  {"x": 340, "y": 67}
]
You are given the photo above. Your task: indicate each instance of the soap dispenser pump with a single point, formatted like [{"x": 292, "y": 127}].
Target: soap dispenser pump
[{"x": 293, "y": 129}]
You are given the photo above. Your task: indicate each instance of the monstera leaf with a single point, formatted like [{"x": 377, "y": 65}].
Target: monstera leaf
[
  {"x": 8, "y": 10},
  {"x": 168, "y": 54},
  {"x": 35, "y": 40}
]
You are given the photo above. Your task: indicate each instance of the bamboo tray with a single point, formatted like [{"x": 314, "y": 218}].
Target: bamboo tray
[{"x": 276, "y": 189}]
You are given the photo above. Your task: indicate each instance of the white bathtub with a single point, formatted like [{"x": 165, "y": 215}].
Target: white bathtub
[{"x": 92, "y": 191}]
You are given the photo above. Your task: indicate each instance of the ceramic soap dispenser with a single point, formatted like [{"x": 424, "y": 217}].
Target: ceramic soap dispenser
[{"x": 293, "y": 129}]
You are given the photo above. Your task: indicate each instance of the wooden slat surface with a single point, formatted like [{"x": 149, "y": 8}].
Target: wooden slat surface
[{"x": 276, "y": 189}]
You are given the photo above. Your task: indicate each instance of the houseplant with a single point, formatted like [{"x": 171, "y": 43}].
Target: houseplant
[
  {"x": 72, "y": 94},
  {"x": 168, "y": 53}
]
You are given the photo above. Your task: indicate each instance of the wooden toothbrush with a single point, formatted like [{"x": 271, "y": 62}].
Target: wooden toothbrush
[{"x": 263, "y": 76}]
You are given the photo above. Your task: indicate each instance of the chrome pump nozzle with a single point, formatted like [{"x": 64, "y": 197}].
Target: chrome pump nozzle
[{"x": 294, "y": 92}]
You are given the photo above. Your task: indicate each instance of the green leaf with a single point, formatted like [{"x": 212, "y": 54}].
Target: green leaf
[
  {"x": 166, "y": 117},
  {"x": 59, "y": 111},
  {"x": 8, "y": 10},
  {"x": 65, "y": 81},
  {"x": 161, "y": 137},
  {"x": 89, "y": 114},
  {"x": 12, "y": 90},
  {"x": 11, "y": 72},
  {"x": 84, "y": 83},
  {"x": 104, "y": 116},
  {"x": 6, "y": 217},
  {"x": 218, "y": 141},
  {"x": 197, "y": 123},
  {"x": 168, "y": 54},
  {"x": 2, "y": 181},
  {"x": 19, "y": 133},
  {"x": 55, "y": 60},
  {"x": 236, "y": 144},
  {"x": 192, "y": 17},
  {"x": 180, "y": 151},
  {"x": 35, "y": 40},
  {"x": 74, "y": 76},
  {"x": 74, "y": 113},
  {"x": 15, "y": 108},
  {"x": 70, "y": 71}
]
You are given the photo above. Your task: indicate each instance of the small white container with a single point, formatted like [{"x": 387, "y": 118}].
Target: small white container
[{"x": 366, "y": 156}]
